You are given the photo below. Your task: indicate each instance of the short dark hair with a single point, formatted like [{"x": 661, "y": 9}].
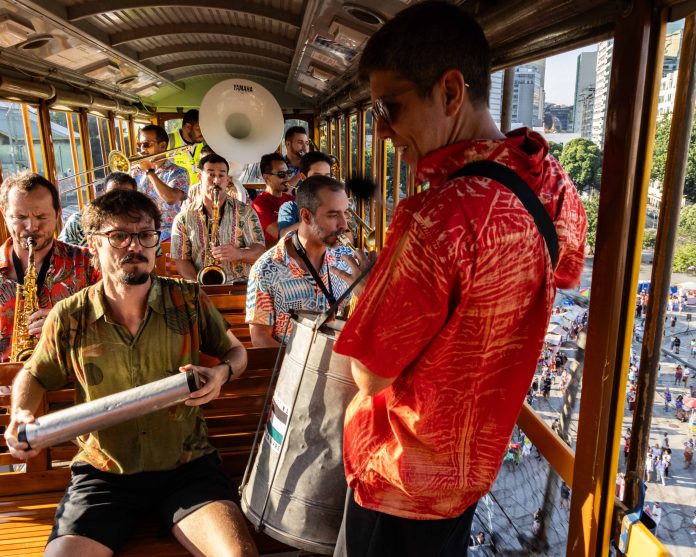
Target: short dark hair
[
  {"x": 427, "y": 39},
  {"x": 266, "y": 163},
  {"x": 190, "y": 117},
  {"x": 307, "y": 193},
  {"x": 27, "y": 181},
  {"x": 311, "y": 158},
  {"x": 213, "y": 158},
  {"x": 293, "y": 130},
  {"x": 121, "y": 178},
  {"x": 118, "y": 203},
  {"x": 160, "y": 133}
]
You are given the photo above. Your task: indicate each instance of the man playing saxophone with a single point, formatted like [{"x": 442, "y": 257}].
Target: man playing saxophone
[
  {"x": 231, "y": 240},
  {"x": 30, "y": 206}
]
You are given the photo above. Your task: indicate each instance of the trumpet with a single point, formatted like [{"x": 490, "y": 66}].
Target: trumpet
[
  {"x": 368, "y": 233},
  {"x": 119, "y": 162}
]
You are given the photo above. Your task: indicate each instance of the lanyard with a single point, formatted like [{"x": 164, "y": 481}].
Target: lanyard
[
  {"x": 299, "y": 248},
  {"x": 45, "y": 264}
]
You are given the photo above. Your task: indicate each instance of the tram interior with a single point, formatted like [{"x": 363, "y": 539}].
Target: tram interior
[{"x": 78, "y": 78}]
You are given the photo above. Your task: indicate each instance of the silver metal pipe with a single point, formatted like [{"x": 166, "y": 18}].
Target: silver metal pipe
[{"x": 107, "y": 411}]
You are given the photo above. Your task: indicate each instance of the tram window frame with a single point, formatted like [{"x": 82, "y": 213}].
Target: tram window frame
[
  {"x": 123, "y": 142},
  {"x": 342, "y": 147},
  {"x": 354, "y": 143}
]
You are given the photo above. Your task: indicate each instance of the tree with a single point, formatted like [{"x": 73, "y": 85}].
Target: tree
[
  {"x": 687, "y": 221},
  {"x": 555, "y": 149},
  {"x": 659, "y": 160},
  {"x": 649, "y": 237},
  {"x": 591, "y": 205},
  {"x": 684, "y": 257},
  {"x": 582, "y": 160}
]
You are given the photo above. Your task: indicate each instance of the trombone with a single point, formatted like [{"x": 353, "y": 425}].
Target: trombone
[{"x": 119, "y": 162}]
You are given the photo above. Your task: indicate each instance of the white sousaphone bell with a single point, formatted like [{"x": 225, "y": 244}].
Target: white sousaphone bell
[{"x": 241, "y": 120}]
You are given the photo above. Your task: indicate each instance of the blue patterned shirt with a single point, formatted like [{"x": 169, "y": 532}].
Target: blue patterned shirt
[{"x": 278, "y": 284}]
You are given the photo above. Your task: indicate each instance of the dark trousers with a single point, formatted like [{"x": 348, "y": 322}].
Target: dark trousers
[{"x": 367, "y": 533}]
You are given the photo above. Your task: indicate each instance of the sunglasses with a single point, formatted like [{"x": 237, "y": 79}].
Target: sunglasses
[
  {"x": 144, "y": 143},
  {"x": 387, "y": 110},
  {"x": 282, "y": 174}
]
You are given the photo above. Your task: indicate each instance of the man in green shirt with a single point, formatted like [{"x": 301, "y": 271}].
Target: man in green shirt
[{"x": 130, "y": 329}]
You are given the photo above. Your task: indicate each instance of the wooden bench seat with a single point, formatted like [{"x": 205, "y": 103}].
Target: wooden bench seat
[{"x": 28, "y": 500}]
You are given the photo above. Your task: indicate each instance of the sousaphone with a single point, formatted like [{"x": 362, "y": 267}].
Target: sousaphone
[{"x": 241, "y": 120}]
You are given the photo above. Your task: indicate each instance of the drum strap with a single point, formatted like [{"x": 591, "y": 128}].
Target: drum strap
[
  {"x": 328, "y": 292},
  {"x": 512, "y": 181}
]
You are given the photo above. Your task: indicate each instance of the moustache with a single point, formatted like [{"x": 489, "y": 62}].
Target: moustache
[{"x": 134, "y": 257}]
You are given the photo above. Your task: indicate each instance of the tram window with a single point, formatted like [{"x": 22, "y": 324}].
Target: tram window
[
  {"x": 96, "y": 147},
  {"x": 343, "y": 151},
  {"x": 391, "y": 165},
  {"x": 172, "y": 125},
  {"x": 106, "y": 136},
  {"x": 354, "y": 143},
  {"x": 323, "y": 145},
  {"x": 15, "y": 147},
  {"x": 122, "y": 139},
  {"x": 368, "y": 143},
  {"x": 65, "y": 156}
]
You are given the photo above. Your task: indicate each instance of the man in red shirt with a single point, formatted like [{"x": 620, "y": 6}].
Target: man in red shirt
[
  {"x": 267, "y": 204},
  {"x": 448, "y": 329}
]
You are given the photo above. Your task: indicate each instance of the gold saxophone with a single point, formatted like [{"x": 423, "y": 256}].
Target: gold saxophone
[
  {"x": 26, "y": 303},
  {"x": 212, "y": 273}
]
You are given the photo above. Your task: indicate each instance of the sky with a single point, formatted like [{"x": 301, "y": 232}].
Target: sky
[{"x": 559, "y": 82}]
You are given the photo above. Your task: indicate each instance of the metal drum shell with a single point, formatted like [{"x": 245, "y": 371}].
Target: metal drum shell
[{"x": 306, "y": 497}]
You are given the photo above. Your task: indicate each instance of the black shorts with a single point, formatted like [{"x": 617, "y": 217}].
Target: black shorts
[
  {"x": 106, "y": 507},
  {"x": 367, "y": 533}
]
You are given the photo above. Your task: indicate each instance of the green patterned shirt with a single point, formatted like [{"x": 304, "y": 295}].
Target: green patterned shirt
[
  {"x": 239, "y": 226},
  {"x": 81, "y": 343}
]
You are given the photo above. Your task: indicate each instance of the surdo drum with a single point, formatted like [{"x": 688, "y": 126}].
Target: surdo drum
[{"x": 296, "y": 489}]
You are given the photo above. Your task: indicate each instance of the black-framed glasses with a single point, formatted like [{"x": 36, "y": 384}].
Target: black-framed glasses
[
  {"x": 122, "y": 239},
  {"x": 282, "y": 174}
]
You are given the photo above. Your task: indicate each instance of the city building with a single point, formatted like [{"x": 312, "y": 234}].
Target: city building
[
  {"x": 585, "y": 78},
  {"x": 528, "y": 95},
  {"x": 495, "y": 99},
  {"x": 603, "y": 75},
  {"x": 558, "y": 117}
]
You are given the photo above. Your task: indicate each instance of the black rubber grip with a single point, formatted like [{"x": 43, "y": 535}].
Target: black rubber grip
[
  {"x": 192, "y": 380},
  {"x": 22, "y": 435}
]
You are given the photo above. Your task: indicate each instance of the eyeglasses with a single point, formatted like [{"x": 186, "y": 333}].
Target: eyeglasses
[
  {"x": 282, "y": 174},
  {"x": 144, "y": 143},
  {"x": 121, "y": 239}
]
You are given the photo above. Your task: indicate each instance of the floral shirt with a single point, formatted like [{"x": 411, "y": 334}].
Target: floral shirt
[
  {"x": 175, "y": 177},
  {"x": 277, "y": 284},
  {"x": 239, "y": 226},
  {"x": 455, "y": 311},
  {"x": 70, "y": 271},
  {"x": 81, "y": 343}
]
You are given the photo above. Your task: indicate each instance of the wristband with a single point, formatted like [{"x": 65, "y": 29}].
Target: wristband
[{"x": 230, "y": 371}]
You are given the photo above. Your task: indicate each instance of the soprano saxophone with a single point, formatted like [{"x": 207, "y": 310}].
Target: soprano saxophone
[
  {"x": 212, "y": 273},
  {"x": 26, "y": 303}
]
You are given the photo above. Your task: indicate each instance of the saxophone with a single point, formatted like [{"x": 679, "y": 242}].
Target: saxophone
[
  {"x": 212, "y": 273},
  {"x": 26, "y": 303}
]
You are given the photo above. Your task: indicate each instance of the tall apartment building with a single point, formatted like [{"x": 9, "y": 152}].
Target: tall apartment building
[
  {"x": 601, "y": 94},
  {"x": 585, "y": 78},
  {"x": 495, "y": 99},
  {"x": 528, "y": 95}
]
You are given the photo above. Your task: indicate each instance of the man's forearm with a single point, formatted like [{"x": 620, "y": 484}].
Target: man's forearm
[
  {"x": 238, "y": 358},
  {"x": 27, "y": 393},
  {"x": 252, "y": 253},
  {"x": 170, "y": 195},
  {"x": 186, "y": 269}
]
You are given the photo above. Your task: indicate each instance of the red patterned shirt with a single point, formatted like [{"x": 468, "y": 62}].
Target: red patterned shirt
[
  {"x": 70, "y": 271},
  {"x": 456, "y": 310}
]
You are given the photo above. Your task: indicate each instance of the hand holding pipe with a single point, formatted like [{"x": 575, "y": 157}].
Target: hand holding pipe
[{"x": 107, "y": 411}]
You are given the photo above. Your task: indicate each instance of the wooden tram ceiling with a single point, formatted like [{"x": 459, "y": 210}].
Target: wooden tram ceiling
[{"x": 169, "y": 42}]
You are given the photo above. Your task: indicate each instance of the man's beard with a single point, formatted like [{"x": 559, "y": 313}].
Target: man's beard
[
  {"x": 41, "y": 242},
  {"x": 329, "y": 239},
  {"x": 133, "y": 278}
]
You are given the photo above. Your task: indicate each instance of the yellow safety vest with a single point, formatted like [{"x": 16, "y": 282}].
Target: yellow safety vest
[{"x": 184, "y": 158}]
